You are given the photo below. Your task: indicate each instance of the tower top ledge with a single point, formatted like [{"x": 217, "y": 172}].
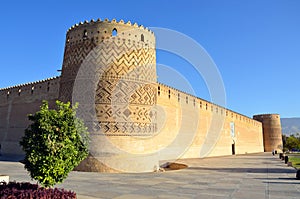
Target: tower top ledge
[
  {"x": 266, "y": 114},
  {"x": 113, "y": 21}
]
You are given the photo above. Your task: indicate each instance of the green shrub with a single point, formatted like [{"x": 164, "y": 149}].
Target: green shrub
[{"x": 55, "y": 143}]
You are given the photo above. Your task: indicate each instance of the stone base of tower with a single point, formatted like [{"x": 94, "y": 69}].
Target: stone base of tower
[
  {"x": 91, "y": 164},
  {"x": 119, "y": 164}
]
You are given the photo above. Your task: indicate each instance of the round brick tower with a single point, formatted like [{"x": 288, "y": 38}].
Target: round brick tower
[
  {"x": 271, "y": 131},
  {"x": 109, "y": 67}
]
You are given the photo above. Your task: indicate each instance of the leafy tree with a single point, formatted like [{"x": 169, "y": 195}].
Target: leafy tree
[
  {"x": 55, "y": 143},
  {"x": 292, "y": 143},
  {"x": 284, "y": 138}
]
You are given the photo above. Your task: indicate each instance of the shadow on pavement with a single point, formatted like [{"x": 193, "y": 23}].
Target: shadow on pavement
[
  {"x": 12, "y": 158},
  {"x": 245, "y": 170},
  {"x": 270, "y": 182}
]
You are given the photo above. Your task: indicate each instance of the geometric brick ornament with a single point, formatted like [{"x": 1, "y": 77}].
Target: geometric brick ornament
[{"x": 120, "y": 61}]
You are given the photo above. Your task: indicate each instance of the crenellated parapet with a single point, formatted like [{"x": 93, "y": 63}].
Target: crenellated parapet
[
  {"x": 37, "y": 89},
  {"x": 186, "y": 99},
  {"x": 99, "y": 30},
  {"x": 113, "y": 21}
]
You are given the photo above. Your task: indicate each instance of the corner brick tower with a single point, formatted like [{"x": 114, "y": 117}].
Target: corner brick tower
[
  {"x": 122, "y": 59},
  {"x": 271, "y": 131}
]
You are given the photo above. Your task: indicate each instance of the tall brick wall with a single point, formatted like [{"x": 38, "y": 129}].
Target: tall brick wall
[
  {"x": 194, "y": 128},
  {"x": 16, "y": 103}
]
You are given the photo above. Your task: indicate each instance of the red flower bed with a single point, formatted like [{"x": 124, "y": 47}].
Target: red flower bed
[{"x": 26, "y": 190}]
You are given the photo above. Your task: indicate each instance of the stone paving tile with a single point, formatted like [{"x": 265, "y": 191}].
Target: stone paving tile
[
  {"x": 195, "y": 186},
  {"x": 225, "y": 185},
  {"x": 168, "y": 187},
  {"x": 206, "y": 196},
  {"x": 130, "y": 196},
  {"x": 151, "y": 192},
  {"x": 87, "y": 197},
  {"x": 172, "y": 196},
  {"x": 217, "y": 192},
  {"x": 243, "y": 194},
  {"x": 283, "y": 193}
]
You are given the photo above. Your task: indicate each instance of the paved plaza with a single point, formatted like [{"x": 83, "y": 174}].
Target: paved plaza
[{"x": 253, "y": 176}]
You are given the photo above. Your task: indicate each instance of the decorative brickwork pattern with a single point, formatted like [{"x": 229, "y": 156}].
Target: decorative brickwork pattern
[
  {"x": 124, "y": 64},
  {"x": 73, "y": 58}
]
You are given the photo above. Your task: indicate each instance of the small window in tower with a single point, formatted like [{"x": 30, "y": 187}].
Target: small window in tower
[
  {"x": 169, "y": 94},
  {"x": 85, "y": 34},
  {"x": 158, "y": 90},
  {"x": 142, "y": 37},
  {"x": 48, "y": 87},
  {"x": 114, "y": 32}
]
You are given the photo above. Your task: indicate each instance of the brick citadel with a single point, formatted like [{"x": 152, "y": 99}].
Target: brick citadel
[{"x": 136, "y": 124}]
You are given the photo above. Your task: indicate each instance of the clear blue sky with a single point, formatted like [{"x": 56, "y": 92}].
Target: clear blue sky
[{"x": 255, "y": 44}]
